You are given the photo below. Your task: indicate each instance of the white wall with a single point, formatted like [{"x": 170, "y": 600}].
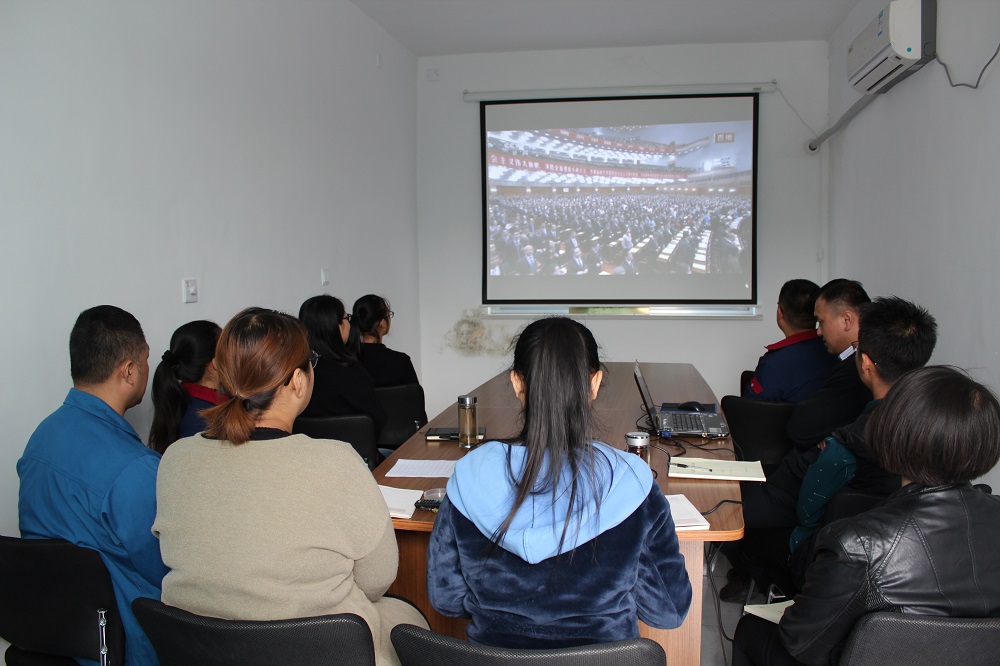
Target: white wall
[
  {"x": 245, "y": 144},
  {"x": 914, "y": 193},
  {"x": 791, "y": 205}
]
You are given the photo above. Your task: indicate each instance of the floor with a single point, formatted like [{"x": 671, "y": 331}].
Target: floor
[{"x": 715, "y": 649}]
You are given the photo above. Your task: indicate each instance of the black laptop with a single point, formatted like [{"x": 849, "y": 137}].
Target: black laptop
[{"x": 676, "y": 423}]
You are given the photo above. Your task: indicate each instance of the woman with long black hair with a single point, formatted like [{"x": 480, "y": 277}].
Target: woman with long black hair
[
  {"x": 552, "y": 539},
  {"x": 343, "y": 386},
  {"x": 185, "y": 383}
]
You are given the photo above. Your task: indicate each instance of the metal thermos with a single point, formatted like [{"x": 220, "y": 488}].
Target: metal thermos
[
  {"x": 638, "y": 443},
  {"x": 468, "y": 427}
]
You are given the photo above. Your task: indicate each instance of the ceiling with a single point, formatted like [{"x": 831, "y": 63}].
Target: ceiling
[{"x": 450, "y": 27}]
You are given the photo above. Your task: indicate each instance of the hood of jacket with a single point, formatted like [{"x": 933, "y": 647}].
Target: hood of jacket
[{"x": 482, "y": 489}]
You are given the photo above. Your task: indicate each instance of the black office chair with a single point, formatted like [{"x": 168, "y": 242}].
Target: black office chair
[
  {"x": 419, "y": 647},
  {"x": 57, "y": 603},
  {"x": 358, "y": 430},
  {"x": 185, "y": 639},
  {"x": 759, "y": 429},
  {"x": 404, "y": 406},
  {"x": 897, "y": 638}
]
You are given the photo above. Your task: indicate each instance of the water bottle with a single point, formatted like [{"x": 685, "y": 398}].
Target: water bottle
[{"x": 468, "y": 428}]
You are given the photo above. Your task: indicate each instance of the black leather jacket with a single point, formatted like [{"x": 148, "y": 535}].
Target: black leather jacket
[{"x": 926, "y": 551}]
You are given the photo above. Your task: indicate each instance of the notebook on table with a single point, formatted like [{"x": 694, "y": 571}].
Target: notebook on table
[{"x": 671, "y": 423}]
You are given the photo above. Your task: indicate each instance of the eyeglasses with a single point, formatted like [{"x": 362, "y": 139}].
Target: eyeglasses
[
  {"x": 391, "y": 314},
  {"x": 313, "y": 358},
  {"x": 348, "y": 316}
]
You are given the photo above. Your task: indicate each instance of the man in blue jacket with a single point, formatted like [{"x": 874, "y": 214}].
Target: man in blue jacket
[
  {"x": 795, "y": 367},
  {"x": 86, "y": 477}
]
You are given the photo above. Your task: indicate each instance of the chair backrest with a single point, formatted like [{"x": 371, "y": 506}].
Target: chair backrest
[
  {"x": 896, "y": 638},
  {"x": 185, "y": 639},
  {"x": 404, "y": 407},
  {"x": 52, "y": 597},
  {"x": 358, "y": 430},
  {"x": 759, "y": 428},
  {"x": 419, "y": 647}
]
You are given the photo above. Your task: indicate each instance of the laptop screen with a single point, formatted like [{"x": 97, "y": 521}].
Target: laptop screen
[{"x": 647, "y": 399}]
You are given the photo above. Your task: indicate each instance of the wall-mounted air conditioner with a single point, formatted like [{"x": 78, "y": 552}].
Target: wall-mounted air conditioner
[{"x": 898, "y": 42}]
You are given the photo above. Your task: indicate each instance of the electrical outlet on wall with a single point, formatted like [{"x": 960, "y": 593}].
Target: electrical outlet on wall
[{"x": 189, "y": 290}]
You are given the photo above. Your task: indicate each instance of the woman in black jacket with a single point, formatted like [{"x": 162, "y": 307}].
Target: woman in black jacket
[
  {"x": 342, "y": 386},
  {"x": 371, "y": 321},
  {"x": 929, "y": 549}
]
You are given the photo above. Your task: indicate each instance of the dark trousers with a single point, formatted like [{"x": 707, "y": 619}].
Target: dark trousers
[
  {"x": 757, "y": 643},
  {"x": 769, "y": 514}
]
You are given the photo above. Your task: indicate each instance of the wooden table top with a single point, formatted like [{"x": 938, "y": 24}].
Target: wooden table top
[{"x": 618, "y": 408}]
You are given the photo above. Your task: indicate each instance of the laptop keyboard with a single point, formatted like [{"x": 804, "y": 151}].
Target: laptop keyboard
[{"x": 685, "y": 422}]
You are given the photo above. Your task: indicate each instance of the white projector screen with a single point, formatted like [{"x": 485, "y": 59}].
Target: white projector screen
[{"x": 620, "y": 201}]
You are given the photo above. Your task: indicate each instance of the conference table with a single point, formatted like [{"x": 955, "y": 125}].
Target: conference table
[{"x": 618, "y": 407}]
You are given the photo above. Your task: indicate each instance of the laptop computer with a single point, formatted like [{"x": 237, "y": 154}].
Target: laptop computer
[{"x": 670, "y": 423}]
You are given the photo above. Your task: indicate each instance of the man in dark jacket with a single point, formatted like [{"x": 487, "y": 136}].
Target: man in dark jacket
[
  {"x": 797, "y": 366},
  {"x": 894, "y": 336},
  {"x": 929, "y": 549}
]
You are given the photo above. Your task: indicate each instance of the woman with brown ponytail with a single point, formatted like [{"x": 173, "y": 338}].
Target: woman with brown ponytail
[{"x": 256, "y": 523}]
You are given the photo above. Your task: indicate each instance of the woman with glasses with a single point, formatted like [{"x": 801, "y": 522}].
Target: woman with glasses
[
  {"x": 256, "y": 523},
  {"x": 371, "y": 321},
  {"x": 343, "y": 386}
]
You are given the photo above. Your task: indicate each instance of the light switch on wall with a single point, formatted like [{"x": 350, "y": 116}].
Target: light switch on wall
[
  {"x": 324, "y": 276},
  {"x": 189, "y": 289}
]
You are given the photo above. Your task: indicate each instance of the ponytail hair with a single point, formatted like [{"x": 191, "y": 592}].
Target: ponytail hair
[
  {"x": 369, "y": 311},
  {"x": 192, "y": 347},
  {"x": 555, "y": 358},
  {"x": 258, "y": 352}
]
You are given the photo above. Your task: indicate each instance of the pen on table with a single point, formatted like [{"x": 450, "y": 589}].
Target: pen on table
[{"x": 683, "y": 466}]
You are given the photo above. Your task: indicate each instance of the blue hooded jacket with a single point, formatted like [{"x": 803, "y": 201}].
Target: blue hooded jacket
[{"x": 614, "y": 566}]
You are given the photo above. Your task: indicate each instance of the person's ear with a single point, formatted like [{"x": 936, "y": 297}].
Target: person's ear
[
  {"x": 850, "y": 319},
  {"x": 128, "y": 370},
  {"x": 299, "y": 383},
  {"x": 867, "y": 364},
  {"x": 595, "y": 383},
  {"x": 517, "y": 382}
]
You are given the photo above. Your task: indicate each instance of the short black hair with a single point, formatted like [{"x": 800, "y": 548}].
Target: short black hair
[
  {"x": 102, "y": 338},
  {"x": 797, "y": 300},
  {"x": 897, "y": 335},
  {"x": 936, "y": 426},
  {"x": 844, "y": 294}
]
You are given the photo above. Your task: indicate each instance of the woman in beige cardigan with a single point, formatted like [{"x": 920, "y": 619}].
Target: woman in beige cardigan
[{"x": 256, "y": 523}]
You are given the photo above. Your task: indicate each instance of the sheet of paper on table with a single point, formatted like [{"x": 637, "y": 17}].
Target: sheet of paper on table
[
  {"x": 427, "y": 469},
  {"x": 685, "y": 515},
  {"x": 718, "y": 470},
  {"x": 400, "y": 500}
]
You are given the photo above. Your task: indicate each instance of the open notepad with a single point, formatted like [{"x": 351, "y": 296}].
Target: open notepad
[
  {"x": 719, "y": 470},
  {"x": 400, "y": 500},
  {"x": 685, "y": 515}
]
